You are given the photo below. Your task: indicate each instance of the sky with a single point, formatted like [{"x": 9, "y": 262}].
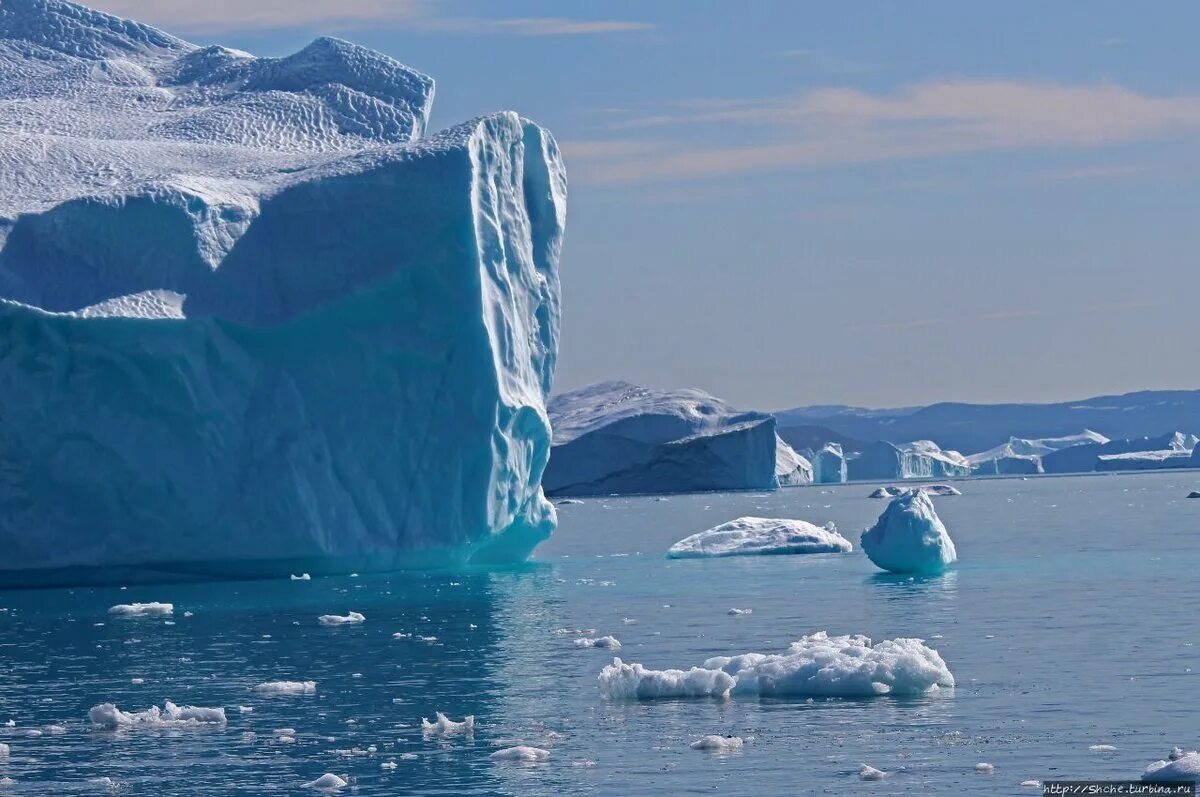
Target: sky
[{"x": 792, "y": 203}]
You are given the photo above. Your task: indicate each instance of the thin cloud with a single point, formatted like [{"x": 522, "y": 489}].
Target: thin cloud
[{"x": 837, "y": 126}]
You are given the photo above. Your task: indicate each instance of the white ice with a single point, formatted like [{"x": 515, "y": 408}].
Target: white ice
[
  {"x": 909, "y": 537},
  {"x": 287, "y": 688},
  {"x": 749, "y": 536},
  {"x": 353, "y": 618},
  {"x": 444, "y": 726},
  {"x": 868, "y": 772},
  {"x": 327, "y": 782},
  {"x": 109, "y": 717},
  {"x": 1184, "y": 768},
  {"x": 609, "y": 642},
  {"x": 715, "y": 743},
  {"x": 521, "y": 754},
  {"x": 142, "y": 609}
]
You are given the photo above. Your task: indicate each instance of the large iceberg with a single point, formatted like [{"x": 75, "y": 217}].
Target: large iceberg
[
  {"x": 1169, "y": 450},
  {"x": 828, "y": 464},
  {"x": 909, "y": 537},
  {"x": 1024, "y": 456},
  {"x": 616, "y": 437},
  {"x": 920, "y": 459},
  {"x": 252, "y": 320}
]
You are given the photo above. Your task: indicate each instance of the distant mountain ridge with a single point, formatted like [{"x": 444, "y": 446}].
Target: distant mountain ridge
[{"x": 970, "y": 428}]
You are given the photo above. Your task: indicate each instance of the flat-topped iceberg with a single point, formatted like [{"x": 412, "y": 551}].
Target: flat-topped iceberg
[
  {"x": 1024, "y": 456},
  {"x": 254, "y": 322},
  {"x": 921, "y": 459},
  {"x": 1168, "y": 450},
  {"x": 756, "y": 536},
  {"x": 620, "y": 438},
  {"x": 828, "y": 464},
  {"x": 909, "y": 537},
  {"x": 817, "y": 665}
]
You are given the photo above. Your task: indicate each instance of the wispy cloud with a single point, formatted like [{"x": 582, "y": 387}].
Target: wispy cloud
[
  {"x": 834, "y": 126},
  {"x": 216, "y": 16}
]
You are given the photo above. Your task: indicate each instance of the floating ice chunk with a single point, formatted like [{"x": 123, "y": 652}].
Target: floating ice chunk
[
  {"x": 586, "y": 763},
  {"x": 569, "y": 502},
  {"x": 610, "y": 642},
  {"x": 109, "y": 717},
  {"x": 301, "y": 577},
  {"x": 748, "y": 536},
  {"x": 621, "y": 681},
  {"x": 735, "y": 612},
  {"x": 327, "y": 782},
  {"x": 817, "y": 665},
  {"x": 1184, "y": 768},
  {"x": 444, "y": 726},
  {"x": 408, "y": 756},
  {"x": 886, "y": 492},
  {"x": 868, "y": 772},
  {"x": 353, "y": 618},
  {"x": 287, "y": 688},
  {"x": 522, "y": 754},
  {"x": 1176, "y": 753},
  {"x": 142, "y": 609},
  {"x": 388, "y": 765},
  {"x": 1031, "y": 784},
  {"x": 939, "y": 489},
  {"x": 5, "y": 782},
  {"x": 5, "y": 750},
  {"x": 984, "y": 768},
  {"x": 1102, "y": 748},
  {"x": 720, "y": 744},
  {"x": 909, "y": 537}
]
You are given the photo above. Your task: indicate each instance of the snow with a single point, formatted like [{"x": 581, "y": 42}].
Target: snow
[
  {"x": 909, "y": 537},
  {"x": 109, "y": 717},
  {"x": 817, "y": 665},
  {"x": 1183, "y": 768},
  {"x": 620, "y": 438},
  {"x": 444, "y": 726},
  {"x": 521, "y": 754},
  {"x": 327, "y": 782},
  {"x": 749, "y": 536},
  {"x": 255, "y": 320},
  {"x": 609, "y": 642},
  {"x": 142, "y": 609},
  {"x": 920, "y": 459},
  {"x": 868, "y": 772},
  {"x": 829, "y": 464},
  {"x": 719, "y": 744},
  {"x": 287, "y": 688},
  {"x": 353, "y": 618}
]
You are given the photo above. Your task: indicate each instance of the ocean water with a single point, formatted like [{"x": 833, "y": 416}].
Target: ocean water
[{"x": 1069, "y": 622}]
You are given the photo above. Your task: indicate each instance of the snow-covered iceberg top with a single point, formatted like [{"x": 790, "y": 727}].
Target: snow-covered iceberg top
[
  {"x": 909, "y": 537},
  {"x": 751, "y": 536},
  {"x": 817, "y": 665},
  {"x": 920, "y": 459},
  {"x": 1025, "y": 447},
  {"x": 255, "y": 321},
  {"x": 1180, "y": 767}
]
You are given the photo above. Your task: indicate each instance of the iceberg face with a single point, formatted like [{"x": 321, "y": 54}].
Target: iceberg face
[
  {"x": 751, "y": 536},
  {"x": 909, "y": 537},
  {"x": 791, "y": 469},
  {"x": 619, "y": 438},
  {"x": 1024, "y": 456},
  {"x": 922, "y": 459},
  {"x": 278, "y": 330},
  {"x": 829, "y": 464},
  {"x": 1166, "y": 451}
]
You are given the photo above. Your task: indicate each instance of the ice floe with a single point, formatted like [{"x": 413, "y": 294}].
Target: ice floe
[
  {"x": 444, "y": 726},
  {"x": 142, "y": 609},
  {"x": 610, "y": 642},
  {"x": 327, "y": 782},
  {"x": 1185, "y": 767},
  {"x": 353, "y": 618},
  {"x": 286, "y": 688},
  {"x": 719, "y": 744},
  {"x": 748, "y": 536},
  {"x": 109, "y": 717},
  {"x": 868, "y": 772},
  {"x": 523, "y": 754}
]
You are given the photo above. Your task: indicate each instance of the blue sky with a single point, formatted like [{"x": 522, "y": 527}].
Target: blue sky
[{"x": 877, "y": 203}]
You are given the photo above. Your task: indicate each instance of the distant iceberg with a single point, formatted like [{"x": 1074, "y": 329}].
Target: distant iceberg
[
  {"x": 755, "y": 536},
  {"x": 920, "y": 459},
  {"x": 828, "y": 464},
  {"x": 909, "y": 537},
  {"x": 1169, "y": 450},
  {"x": 1022, "y": 456},
  {"x": 255, "y": 321},
  {"x": 620, "y": 438}
]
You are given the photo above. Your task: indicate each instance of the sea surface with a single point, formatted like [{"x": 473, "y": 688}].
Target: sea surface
[{"x": 1069, "y": 622}]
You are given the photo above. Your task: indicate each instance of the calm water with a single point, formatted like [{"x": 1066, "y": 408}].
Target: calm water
[{"x": 1069, "y": 622}]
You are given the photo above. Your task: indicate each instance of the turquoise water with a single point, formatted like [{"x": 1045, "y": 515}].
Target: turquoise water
[{"x": 1069, "y": 623}]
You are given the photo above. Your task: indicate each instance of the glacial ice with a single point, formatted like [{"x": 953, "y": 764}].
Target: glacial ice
[
  {"x": 921, "y": 459},
  {"x": 522, "y": 754},
  {"x": 909, "y": 537},
  {"x": 718, "y": 744},
  {"x": 619, "y": 438},
  {"x": 444, "y": 726},
  {"x": 610, "y": 642},
  {"x": 868, "y": 772},
  {"x": 756, "y": 536},
  {"x": 327, "y": 782},
  {"x": 1153, "y": 452},
  {"x": 1185, "y": 767},
  {"x": 353, "y": 618},
  {"x": 286, "y": 688},
  {"x": 1024, "y": 456},
  {"x": 109, "y": 717},
  {"x": 828, "y": 464},
  {"x": 817, "y": 665},
  {"x": 886, "y": 492},
  {"x": 142, "y": 610},
  {"x": 254, "y": 321}
]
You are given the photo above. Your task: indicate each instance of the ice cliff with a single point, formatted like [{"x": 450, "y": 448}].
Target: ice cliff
[
  {"x": 921, "y": 459},
  {"x": 253, "y": 320},
  {"x": 616, "y": 437}
]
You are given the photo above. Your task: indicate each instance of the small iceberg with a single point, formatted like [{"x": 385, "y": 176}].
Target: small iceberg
[
  {"x": 522, "y": 754},
  {"x": 718, "y": 744},
  {"x": 886, "y": 492},
  {"x": 1180, "y": 768},
  {"x": 327, "y": 782},
  {"x": 610, "y": 642},
  {"x": 569, "y": 502},
  {"x": 817, "y": 665},
  {"x": 868, "y": 772},
  {"x": 754, "y": 536},
  {"x": 142, "y": 609},
  {"x": 301, "y": 577},
  {"x": 353, "y": 618},
  {"x": 735, "y": 612},
  {"x": 909, "y": 537},
  {"x": 984, "y": 768},
  {"x": 109, "y": 717},
  {"x": 444, "y": 726},
  {"x": 286, "y": 688},
  {"x": 940, "y": 489}
]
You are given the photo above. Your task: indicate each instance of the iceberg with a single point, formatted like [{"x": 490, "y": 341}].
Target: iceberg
[
  {"x": 620, "y": 438},
  {"x": 254, "y": 320},
  {"x": 1022, "y": 456},
  {"x": 791, "y": 469},
  {"x": 828, "y": 464},
  {"x": 909, "y": 537},
  {"x": 1184, "y": 767},
  {"x": 817, "y": 665},
  {"x": 1169, "y": 450},
  {"x": 921, "y": 459},
  {"x": 756, "y": 536}
]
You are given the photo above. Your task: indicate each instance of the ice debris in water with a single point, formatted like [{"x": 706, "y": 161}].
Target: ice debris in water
[
  {"x": 984, "y": 768},
  {"x": 301, "y": 577},
  {"x": 444, "y": 726},
  {"x": 735, "y": 612},
  {"x": 353, "y": 618},
  {"x": 522, "y": 754},
  {"x": 109, "y": 717},
  {"x": 610, "y": 642},
  {"x": 718, "y": 743},
  {"x": 327, "y": 782},
  {"x": 886, "y": 492},
  {"x": 142, "y": 609},
  {"x": 5, "y": 750},
  {"x": 287, "y": 688},
  {"x": 868, "y": 772},
  {"x": 909, "y": 537},
  {"x": 1181, "y": 768},
  {"x": 749, "y": 536},
  {"x": 1102, "y": 748},
  {"x": 818, "y": 665}
]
